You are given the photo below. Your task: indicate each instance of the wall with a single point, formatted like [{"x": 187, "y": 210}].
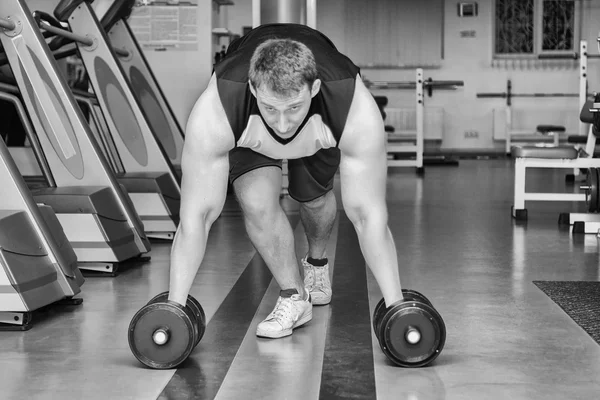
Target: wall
[
  {"x": 238, "y": 15},
  {"x": 470, "y": 59},
  {"x": 183, "y": 75}
]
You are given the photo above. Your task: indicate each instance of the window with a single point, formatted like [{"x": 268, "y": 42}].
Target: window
[{"x": 534, "y": 27}]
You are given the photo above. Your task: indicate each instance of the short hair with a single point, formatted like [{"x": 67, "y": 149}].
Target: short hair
[{"x": 282, "y": 65}]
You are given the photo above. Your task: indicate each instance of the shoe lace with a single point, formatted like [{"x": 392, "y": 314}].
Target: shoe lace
[
  {"x": 309, "y": 272},
  {"x": 319, "y": 277},
  {"x": 283, "y": 310}
]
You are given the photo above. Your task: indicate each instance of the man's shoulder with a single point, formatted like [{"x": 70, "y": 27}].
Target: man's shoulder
[{"x": 208, "y": 115}]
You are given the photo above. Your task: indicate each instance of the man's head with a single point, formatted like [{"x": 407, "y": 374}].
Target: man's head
[{"x": 283, "y": 78}]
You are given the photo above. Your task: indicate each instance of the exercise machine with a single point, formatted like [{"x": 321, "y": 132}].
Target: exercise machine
[
  {"x": 94, "y": 210},
  {"x": 38, "y": 266},
  {"x": 149, "y": 177},
  {"x": 548, "y": 134},
  {"x": 588, "y": 222},
  {"x": 411, "y": 144},
  {"x": 554, "y": 157},
  {"x": 113, "y": 17},
  {"x": 29, "y": 158}
]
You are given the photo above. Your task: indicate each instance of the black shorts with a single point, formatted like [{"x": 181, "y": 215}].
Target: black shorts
[{"x": 309, "y": 177}]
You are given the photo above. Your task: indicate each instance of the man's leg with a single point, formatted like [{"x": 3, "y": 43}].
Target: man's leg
[
  {"x": 269, "y": 230},
  {"x": 311, "y": 183},
  {"x": 267, "y": 225},
  {"x": 318, "y": 217}
]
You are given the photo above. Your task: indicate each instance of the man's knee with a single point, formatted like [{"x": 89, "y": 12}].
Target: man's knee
[
  {"x": 255, "y": 203},
  {"x": 319, "y": 202}
]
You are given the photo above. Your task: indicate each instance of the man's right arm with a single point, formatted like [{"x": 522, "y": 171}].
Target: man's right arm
[{"x": 205, "y": 167}]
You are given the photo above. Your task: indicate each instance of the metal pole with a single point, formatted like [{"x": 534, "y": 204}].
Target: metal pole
[
  {"x": 311, "y": 13},
  {"x": 583, "y": 67},
  {"x": 255, "y": 13},
  {"x": 420, "y": 114},
  {"x": 69, "y": 35}
]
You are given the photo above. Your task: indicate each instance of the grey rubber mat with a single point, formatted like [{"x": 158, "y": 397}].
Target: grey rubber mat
[{"x": 579, "y": 299}]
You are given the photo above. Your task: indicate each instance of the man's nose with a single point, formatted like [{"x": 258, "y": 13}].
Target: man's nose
[{"x": 282, "y": 124}]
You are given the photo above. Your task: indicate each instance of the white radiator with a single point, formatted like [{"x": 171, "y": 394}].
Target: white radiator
[{"x": 404, "y": 121}]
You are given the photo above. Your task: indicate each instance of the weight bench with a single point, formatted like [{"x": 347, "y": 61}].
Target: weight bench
[{"x": 540, "y": 156}]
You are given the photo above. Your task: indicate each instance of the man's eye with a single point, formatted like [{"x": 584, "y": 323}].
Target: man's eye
[
  {"x": 295, "y": 108},
  {"x": 270, "y": 109}
]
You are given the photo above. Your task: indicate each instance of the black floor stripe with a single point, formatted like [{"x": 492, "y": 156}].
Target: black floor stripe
[
  {"x": 348, "y": 370},
  {"x": 201, "y": 375}
]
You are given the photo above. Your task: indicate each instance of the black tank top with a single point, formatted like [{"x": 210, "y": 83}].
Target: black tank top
[{"x": 329, "y": 107}]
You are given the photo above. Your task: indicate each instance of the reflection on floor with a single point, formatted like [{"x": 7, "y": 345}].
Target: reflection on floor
[{"x": 456, "y": 243}]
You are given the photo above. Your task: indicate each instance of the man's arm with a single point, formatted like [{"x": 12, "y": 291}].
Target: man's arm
[
  {"x": 363, "y": 170},
  {"x": 205, "y": 167}
]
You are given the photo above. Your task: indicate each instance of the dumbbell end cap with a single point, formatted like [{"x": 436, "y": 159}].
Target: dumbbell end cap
[
  {"x": 413, "y": 336},
  {"x": 160, "y": 336}
]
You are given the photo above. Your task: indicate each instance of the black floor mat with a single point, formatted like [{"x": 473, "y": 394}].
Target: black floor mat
[{"x": 580, "y": 300}]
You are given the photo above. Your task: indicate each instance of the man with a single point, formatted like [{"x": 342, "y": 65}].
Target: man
[{"x": 283, "y": 91}]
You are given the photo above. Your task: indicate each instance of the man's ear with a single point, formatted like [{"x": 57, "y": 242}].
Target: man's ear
[
  {"x": 315, "y": 88},
  {"x": 252, "y": 89}
]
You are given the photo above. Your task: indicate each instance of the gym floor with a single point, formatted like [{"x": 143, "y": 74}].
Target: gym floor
[{"x": 456, "y": 243}]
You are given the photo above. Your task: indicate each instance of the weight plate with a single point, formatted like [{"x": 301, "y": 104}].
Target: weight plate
[
  {"x": 420, "y": 319},
  {"x": 409, "y": 294},
  {"x": 588, "y": 191},
  {"x": 414, "y": 295},
  {"x": 198, "y": 311},
  {"x": 377, "y": 314},
  {"x": 193, "y": 306},
  {"x": 596, "y": 190},
  {"x": 592, "y": 192},
  {"x": 160, "y": 298},
  {"x": 171, "y": 318}
]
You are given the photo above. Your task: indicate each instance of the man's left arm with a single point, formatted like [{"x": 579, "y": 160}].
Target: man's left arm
[{"x": 363, "y": 171}]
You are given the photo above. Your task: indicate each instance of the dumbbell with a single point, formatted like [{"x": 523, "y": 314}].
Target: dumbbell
[
  {"x": 163, "y": 333},
  {"x": 408, "y": 294},
  {"x": 193, "y": 306},
  {"x": 411, "y": 333}
]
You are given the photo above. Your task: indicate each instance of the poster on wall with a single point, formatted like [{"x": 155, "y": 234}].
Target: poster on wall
[{"x": 165, "y": 25}]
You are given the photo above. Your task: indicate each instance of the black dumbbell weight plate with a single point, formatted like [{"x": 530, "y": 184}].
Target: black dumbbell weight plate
[
  {"x": 196, "y": 308},
  {"x": 193, "y": 306},
  {"x": 378, "y": 313},
  {"x": 411, "y": 334},
  {"x": 591, "y": 196},
  {"x": 165, "y": 322},
  {"x": 596, "y": 190},
  {"x": 411, "y": 294}
]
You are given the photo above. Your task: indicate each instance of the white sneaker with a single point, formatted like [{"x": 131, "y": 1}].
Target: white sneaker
[
  {"x": 289, "y": 313},
  {"x": 317, "y": 282}
]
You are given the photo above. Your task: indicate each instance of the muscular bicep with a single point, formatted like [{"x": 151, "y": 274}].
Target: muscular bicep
[
  {"x": 363, "y": 165},
  {"x": 205, "y": 161}
]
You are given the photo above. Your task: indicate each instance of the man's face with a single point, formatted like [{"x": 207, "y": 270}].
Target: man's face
[{"x": 284, "y": 114}]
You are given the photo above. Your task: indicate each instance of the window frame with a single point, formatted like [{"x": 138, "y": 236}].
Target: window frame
[{"x": 537, "y": 35}]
